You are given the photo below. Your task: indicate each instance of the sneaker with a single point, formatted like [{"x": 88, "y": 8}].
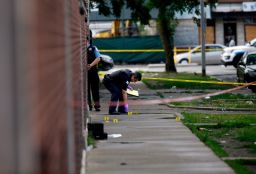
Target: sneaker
[
  {"x": 114, "y": 113},
  {"x": 123, "y": 112}
]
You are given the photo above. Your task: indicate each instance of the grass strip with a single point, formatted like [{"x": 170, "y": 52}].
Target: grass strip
[
  {"x": 239, "y": 165},
  {"x": 90, "y": 139},
  {"x": 227, "y": 120},
  {"x": 223, "y": 101},
  {"x": 230, "y": 126},
  {"x": 213, "y": 144},
  {"x": 161, "y": 84}
]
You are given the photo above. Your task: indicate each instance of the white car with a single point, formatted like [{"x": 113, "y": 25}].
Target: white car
[
  {"x": 212, "y": 55},
  {"x": 227, "y": 58},
  {"x": 234, "y": 58}
]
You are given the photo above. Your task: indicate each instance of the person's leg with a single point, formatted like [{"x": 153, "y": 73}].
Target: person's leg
[
  {"x": 123, "y": 104},
  {"x": 115, "y": 91},
  {"x": 121, "y": 107},
  {"x": 95, "y": 91},
  {"x": 89, "y": 100}
]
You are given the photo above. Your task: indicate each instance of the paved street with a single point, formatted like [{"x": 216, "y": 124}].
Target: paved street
[{"x": 210, "y": 69}]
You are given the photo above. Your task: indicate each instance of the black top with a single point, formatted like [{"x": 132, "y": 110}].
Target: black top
[
  {"x": 92, "y": 54},
  {"x": 121, "y": 78}
]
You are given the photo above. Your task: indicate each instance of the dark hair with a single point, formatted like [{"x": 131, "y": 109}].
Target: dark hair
[{"x": 138, "y": 75}]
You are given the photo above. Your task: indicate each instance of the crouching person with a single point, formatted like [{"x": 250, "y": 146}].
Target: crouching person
[{"x": 117, "y": 83}]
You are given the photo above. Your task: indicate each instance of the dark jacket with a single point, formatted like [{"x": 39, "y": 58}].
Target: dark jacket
[{"x": 121, "y": 78}]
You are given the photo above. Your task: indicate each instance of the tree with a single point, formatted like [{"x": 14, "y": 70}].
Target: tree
[{"x": 165, "y": 20}]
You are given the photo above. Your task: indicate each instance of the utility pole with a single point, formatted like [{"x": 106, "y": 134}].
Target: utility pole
[{"x": 203, "y": 37}]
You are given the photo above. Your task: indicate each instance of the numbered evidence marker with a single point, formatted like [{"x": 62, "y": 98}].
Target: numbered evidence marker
[
  {"x": 106, "y": 119},
  {"x": 132, "y": 113},
  {"x": 115, "y": 120},
  {"x": 177, "y": 118}
]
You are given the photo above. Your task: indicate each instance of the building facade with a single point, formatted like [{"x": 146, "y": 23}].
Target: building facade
[{"x": 234, "y": 19}]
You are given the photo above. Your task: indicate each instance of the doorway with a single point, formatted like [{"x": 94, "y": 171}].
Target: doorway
[{"x": 230, "y": 34}]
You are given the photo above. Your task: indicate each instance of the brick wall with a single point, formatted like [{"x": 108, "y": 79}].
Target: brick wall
[{"x": 46, "y": 79}]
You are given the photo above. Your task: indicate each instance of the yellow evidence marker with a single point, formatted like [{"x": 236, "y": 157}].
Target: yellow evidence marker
[
  {"x": 106, "y": 119},
  {"x": 115, "y": 120},
  {"x": 177, "y": 118}
]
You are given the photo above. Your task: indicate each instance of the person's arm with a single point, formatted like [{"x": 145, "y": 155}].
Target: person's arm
[
  {"x": 95, "y": 62},
  {"x": 97, "y": 59}
]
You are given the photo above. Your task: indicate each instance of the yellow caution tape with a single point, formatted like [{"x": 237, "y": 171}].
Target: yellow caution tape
[
  {"x": 149, "y": 50},
  {"x": 132, "y": 51},
  {"x": 195, "y": 81},
  {"x": 189, "y": 81}
]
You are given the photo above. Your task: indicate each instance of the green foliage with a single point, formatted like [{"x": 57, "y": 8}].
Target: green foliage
[
  {"x": 247, "y": 134},
  {"x": 234, "y": 96},
  {"x": 251, "y": 146},
  {"x": 210, "y": 142},
  {"x": 221, "y": 119},
  {"x": 216, "y": 147},
  {"x": 117, "y": 6},
  {"x": 224, "y": 101},
  {"x": 90, "y": 139},
  {"x": 162, "y": 81},
  {"x": 139, "y": 10},
  {"x": 103, "y": 7},
  {"x": 237, "y": 130},
  {"x": 238, "y": 167},
  {"x": 239, "y": 126}
]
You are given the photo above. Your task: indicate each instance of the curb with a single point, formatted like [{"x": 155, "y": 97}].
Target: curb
[{"x": 213, "y": 108}]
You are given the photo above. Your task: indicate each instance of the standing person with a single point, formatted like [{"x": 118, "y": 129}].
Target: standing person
[
  {"x": 117, "y": 83},
  {"x": 232, "y": 42},
  {"x": 93, "y": 58}
]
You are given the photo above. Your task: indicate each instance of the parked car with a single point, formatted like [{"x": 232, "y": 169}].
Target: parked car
[
  {"x": 226, "y": 58},
  {"x": 233, "y": 59},
  {"x": 246, "y": 69},
  {"x": 106, "y": 63},
  {"x": 212, "y": 55}
]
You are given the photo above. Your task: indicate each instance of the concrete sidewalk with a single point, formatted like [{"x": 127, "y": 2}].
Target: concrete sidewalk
[{"x": 152, "y": 142}]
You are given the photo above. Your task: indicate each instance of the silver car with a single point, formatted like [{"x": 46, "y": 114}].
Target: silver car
[{"x": 212, "y": 55}]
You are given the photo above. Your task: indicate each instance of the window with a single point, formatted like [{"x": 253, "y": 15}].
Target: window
[
  {"x": 251, "y": 59},
  {"x": 213, "y": 48}
]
